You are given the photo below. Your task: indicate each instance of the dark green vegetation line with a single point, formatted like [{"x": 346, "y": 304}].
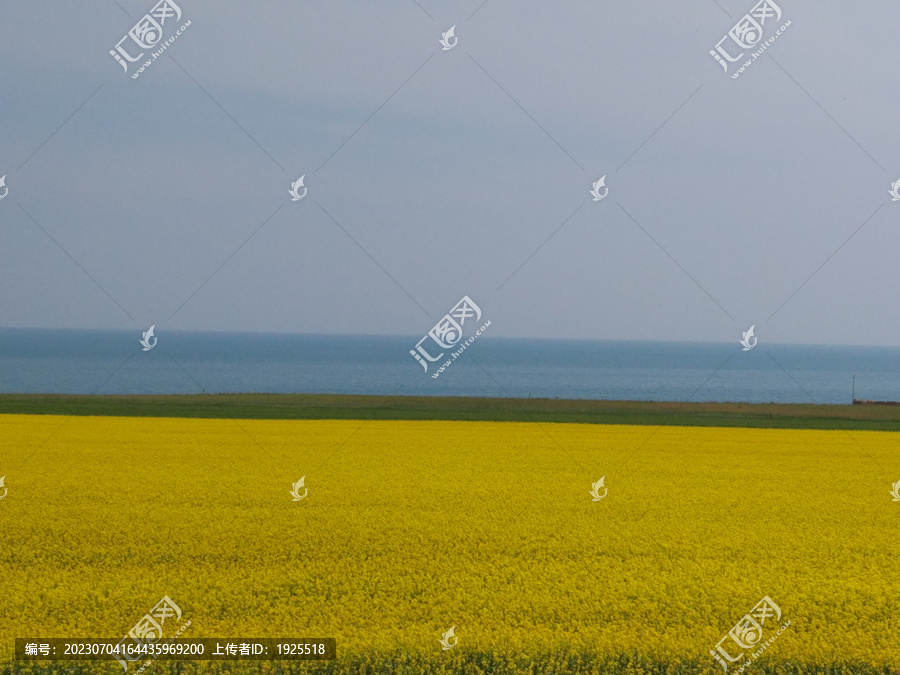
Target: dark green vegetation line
[
  {"x": 469, "y": 662},
  {"x": 319, "y": 406}
]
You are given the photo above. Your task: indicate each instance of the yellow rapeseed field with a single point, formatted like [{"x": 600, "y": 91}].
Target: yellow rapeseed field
[{"x": 409, "y": 528}]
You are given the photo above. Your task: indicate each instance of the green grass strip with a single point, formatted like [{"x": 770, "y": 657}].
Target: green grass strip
[{"x": 320, "y": 406}]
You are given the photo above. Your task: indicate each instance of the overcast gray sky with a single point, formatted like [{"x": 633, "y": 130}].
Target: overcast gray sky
[{"x": 434, "y": 174}]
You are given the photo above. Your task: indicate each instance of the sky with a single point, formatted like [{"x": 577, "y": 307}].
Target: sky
[{"x": 433, "y": 174}]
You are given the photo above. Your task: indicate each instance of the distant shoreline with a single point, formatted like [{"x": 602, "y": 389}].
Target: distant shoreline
[
  {"x": 114, "y": 363},
  {"x": 475, "y": 409}
]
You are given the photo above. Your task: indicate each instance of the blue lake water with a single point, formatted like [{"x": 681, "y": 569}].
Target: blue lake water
[{"x": 112, "y": 362}]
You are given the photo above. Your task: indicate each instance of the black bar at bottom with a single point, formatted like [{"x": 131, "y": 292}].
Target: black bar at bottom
[{"x": 134, "y": 650}]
